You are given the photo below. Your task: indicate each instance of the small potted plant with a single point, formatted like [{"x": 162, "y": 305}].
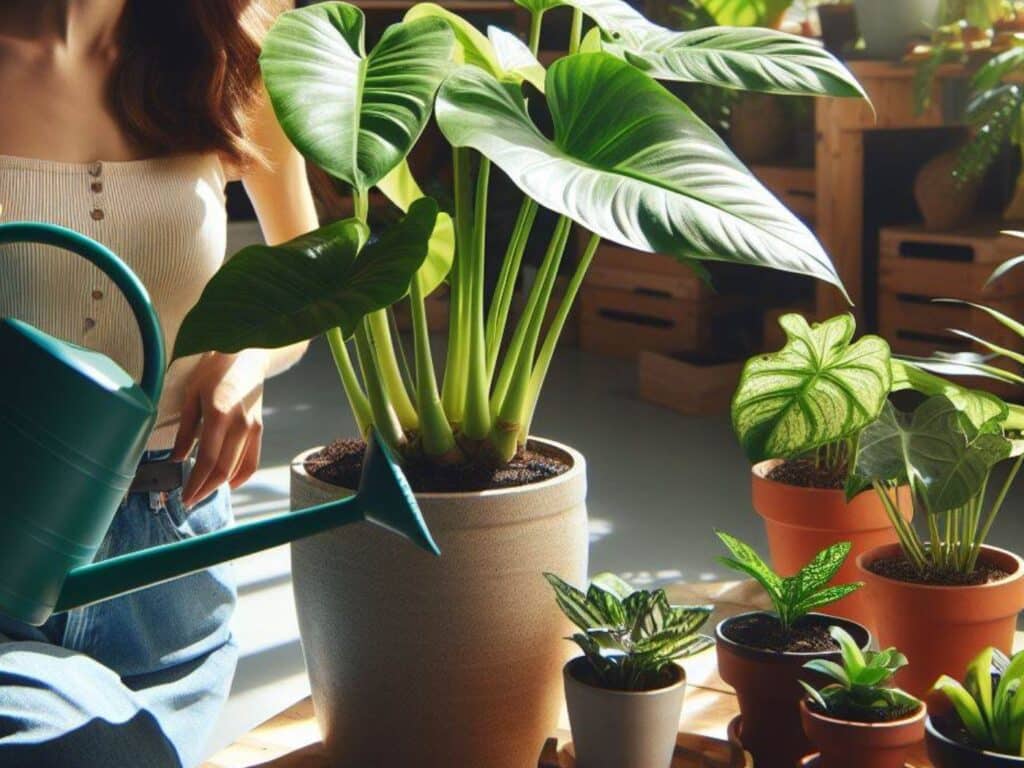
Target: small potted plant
[
  {"x": 798, "y": 414},
  {"x": 944, "y": 596},
  {"x": 625, "y": 693},
  {"x": 981, "y": 725},
  {"x": 857, "y": 720},
  {"x": 762, "y": 654}
]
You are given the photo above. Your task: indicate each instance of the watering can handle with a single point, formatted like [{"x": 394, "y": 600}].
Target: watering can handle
[{"x": 134, "y": 291}]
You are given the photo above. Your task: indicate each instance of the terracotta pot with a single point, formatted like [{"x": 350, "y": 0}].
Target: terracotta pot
[
  {"x": 800, "y": 522},
  {"x": 944, "y": 203},
  {"x": 429, "y": 662},
  {"x": 944, "y": 752},
  {"x": 941, "y": 629},
  {"x": 847, "y": 744},
  {"x": 622, "y": 729},
  {"x": 769, "y": 692}
]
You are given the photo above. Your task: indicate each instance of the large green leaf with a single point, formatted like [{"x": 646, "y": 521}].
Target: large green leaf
[
  {"x": 271, "y": 296},
  {"x": 746, "y": 13},
  {"x": 936, "y": 449},
  {"x": 980, "y": 407},
  {"x": 355, "y": 115},
  {"x": 631, "y": 163},
  {"x": 818, "y": 389}
]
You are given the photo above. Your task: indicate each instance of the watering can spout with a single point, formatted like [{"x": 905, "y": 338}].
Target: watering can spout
[{"x": 383, "y": 498}]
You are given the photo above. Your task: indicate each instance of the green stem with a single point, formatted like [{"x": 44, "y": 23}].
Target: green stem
[
  {"x": 403, "y": 359},
  {"x": 436, "y": 434},
  {"x": 993, "y": 512},
  {"x": 477, "y": 421},
  {"x": 576, "y": 30},
  {"x": 936, "y": 550},
  {"x": 501, "y": 302},
  {"x": 350, "y": 382},
  {"x": 547, "y": 351},
  {"x": 906, "y": 537},
  {"x": 536, "y": 19},
  {"x": 504, "y": 437},
  {"x": 391, "y": 374},
  {"x": 384, "y": 418},
  {"x": 360, "y": 204}
]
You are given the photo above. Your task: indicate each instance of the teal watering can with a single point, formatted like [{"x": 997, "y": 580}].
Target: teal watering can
[{"x": 73, "y": 426}]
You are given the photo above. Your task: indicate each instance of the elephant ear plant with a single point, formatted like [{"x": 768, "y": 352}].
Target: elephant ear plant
[
  {"x": 630, "y": 637},
  {"x": 626, "y": 161}
]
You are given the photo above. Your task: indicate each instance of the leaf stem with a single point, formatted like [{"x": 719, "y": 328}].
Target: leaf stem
[
  {"x": 536, "y": 20},
  {"x": 576, "y": 30},
  {"x": 391, "y": 374},
  {"x": 357, "y": 401},
  {"x": 477, "y": 421},
  {"x": 993, "y": 512},
  {"x": 384, "y": 418},
  {"x": 501, "y": 301},
  {"x": 436, "y": 434}
]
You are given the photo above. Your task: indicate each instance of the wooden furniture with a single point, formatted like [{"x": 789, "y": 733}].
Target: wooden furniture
[
  {"x": 843, "y": 128},
  {"x": 691, "y": 387},
  {"x": 291, "y": 739}
]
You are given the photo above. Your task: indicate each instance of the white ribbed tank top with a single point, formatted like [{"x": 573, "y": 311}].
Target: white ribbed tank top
[{"x": 164, "y": 217}]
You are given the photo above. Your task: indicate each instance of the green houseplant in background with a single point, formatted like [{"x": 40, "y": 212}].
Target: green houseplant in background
[
  {"x": 944, "y": 596},
  {"x": 762, "y": 653},
  {"x": 625, "y": 693},
  {"x": 858, "y": 719},
  {"x": 798, "y": 414},
  {"x": 981, "y": 726},
  {"x": 626, "y": 161}
]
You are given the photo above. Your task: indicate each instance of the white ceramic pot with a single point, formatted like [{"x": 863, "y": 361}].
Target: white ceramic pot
[
  {"x": 424, "y": 662},
  {"x": 622, "y": 729},
  {"x": 889, "y": 26}
]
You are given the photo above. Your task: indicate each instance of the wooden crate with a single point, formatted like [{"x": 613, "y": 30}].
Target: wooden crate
[
  {"x": 653, "y": 274},
  {"x": 954, "y": 264},
  {"x": 796, "y": 187},
  {"x": 622, "y": 323},
  {"x": 914, "y": 325},
  {"x": 693, "y": 387}
]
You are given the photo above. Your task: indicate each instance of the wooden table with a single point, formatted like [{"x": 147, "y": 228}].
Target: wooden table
[{"x": 292, "y": 740}]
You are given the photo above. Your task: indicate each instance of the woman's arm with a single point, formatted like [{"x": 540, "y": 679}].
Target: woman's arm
[{"x": 224, "y": 396}]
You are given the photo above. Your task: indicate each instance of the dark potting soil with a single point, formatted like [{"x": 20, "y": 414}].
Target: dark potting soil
[
  {"x": 764, "y": 631},
  {"x": 805, "y": 474},
  {"x": 901, "y": 569},
  {"x": 341, "y": 462},
  {"x": 865, "y": 715}
]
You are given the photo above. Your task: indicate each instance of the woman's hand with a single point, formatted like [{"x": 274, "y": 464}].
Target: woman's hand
[{"x": 223, "y": 410}]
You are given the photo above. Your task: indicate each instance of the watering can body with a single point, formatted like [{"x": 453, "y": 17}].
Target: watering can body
[{"x": 73, "y": 426}]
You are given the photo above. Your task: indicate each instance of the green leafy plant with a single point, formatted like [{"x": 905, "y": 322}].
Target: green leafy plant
[
  {"x": 990, "y": 702},
  {"x": 860, "y": 692},
  {"x": 946, "y": 459},
  {"x": 815, "y": 395},
  {"x": 627, "y": 161},
  {"x": 630, "y": 636},
  {"x": 793, "y": 597}
]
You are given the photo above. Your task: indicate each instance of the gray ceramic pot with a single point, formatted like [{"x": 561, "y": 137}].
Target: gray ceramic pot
[
  {"x": 622, "y": 729},
  {"x": 889, "y": 26},
  {"x": 424, "y": 662}
]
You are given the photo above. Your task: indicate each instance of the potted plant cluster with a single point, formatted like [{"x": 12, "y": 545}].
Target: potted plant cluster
[
  {"x": 943, "y": 596},
  {"x": 858, "y": 720},
  {"x": 798, "y": 414},
  {"x": 625, "y": 693},
  {"x": 981, "y": 725},
  {"x": 421, "y": 645},
  {"x": 763, "y": 654}
]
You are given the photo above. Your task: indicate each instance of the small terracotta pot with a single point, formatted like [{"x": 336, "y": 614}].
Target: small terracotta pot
[
  {"x": 944, "y": 202},
  {"x": 848, "y": 744},
  {"x": 769, "y": 692},
  {"x": 800, "y": 522},
  {"x": 944, "y": 752},
  {"x": 622, "y": 729},
  {"x": 941, "y": 629}
]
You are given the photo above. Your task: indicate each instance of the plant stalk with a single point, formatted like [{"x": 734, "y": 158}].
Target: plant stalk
[
  {"x": 384, "y": 417},
  {"x": 436, "y": 434},
  {"x": 575, "y": 31},
  {"x": 477, "y": 421},
  {"x": 501, "y": 302},
  {"x": 391, "y": 374},
  {"x": 536, "y": 21},
  {"x": 993, "y": 512},
  {"x": 357, "y": 401}
]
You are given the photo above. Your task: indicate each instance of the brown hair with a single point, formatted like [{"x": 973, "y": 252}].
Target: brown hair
[{"x": 187, "y": 76}]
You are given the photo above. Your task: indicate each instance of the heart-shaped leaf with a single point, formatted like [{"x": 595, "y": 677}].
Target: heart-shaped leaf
[
  {"x": 272, "y": 296},
  {"x": 818, "y": 389},
  {"x": 935, "y": 449},
  {"x": 629, "y": 162},
  {"x": 355, "y": 115}
]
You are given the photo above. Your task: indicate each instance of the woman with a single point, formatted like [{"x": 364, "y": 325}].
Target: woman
[{"x": 122, "y": 119}]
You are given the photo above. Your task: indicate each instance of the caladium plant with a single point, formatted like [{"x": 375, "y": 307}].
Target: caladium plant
[
  {"x": 629, "y": 636},
  {"x": 626, "y": 161},
  {"x": 815, "y": 395},
  {"x": 946, "y": 459},
  {"x": 793, "y": 597}
]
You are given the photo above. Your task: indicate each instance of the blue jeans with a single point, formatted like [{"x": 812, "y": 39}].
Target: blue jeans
[{"x": 138, "y": 680}]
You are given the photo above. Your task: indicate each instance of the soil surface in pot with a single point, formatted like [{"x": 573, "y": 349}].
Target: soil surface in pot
[
  {"x": 763, "y": 631},
  {"x": 861, "y": 715},
  {"x": 901, "y": 569},
  {"x": 341, "y": 462},
  {"x": 804, "y": 473},
  {"x": 584, "y": 673}
]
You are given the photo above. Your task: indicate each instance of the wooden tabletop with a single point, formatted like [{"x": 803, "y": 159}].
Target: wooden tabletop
[{"x": 292, "y": 740}]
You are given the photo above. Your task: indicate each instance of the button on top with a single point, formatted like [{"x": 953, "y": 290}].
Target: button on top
[
  {"x": 96, "y": 186},
  {"x": 89, "y": 323},
  {"x": 97, "y": 294},
  {"x": 95, "y": 169},
  {"x": 97, "y": 214}
]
